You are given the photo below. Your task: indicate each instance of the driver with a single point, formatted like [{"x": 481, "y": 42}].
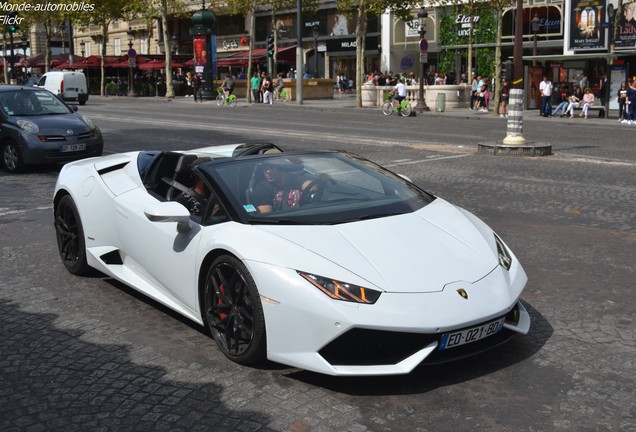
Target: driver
[{"x": 282, "y": 188}]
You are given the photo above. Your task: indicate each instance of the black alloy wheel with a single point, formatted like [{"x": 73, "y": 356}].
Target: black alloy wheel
[
  {"x": 233, "y": 311},
  {"x": 70, "y": 237}
]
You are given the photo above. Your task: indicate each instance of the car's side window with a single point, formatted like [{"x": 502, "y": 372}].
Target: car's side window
[{"x": 215, "y": 212}]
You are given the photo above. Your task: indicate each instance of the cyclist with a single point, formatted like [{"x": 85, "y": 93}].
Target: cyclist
[
  {"x": 280, "y": 85},
  {"x": 228, "y": 85},
  {"x": 399, "y": 92}
]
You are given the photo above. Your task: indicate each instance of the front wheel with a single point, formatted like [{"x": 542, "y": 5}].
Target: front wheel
[
  {"x": 406, "y": 110},
  {"x": 70, "y": 237},
  {"x": 233, "y": 311},
  {"x": 387, "y": 108},
  {"x": 231, "y": 100},
  {"x": 220, "y": 100},
  {"x": 11, "y": 157}
]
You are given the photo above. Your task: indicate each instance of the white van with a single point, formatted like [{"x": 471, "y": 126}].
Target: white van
[{"x": 68, "y": 86}]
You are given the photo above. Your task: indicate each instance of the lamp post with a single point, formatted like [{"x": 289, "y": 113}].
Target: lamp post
[
  {"x": 24, "y": 43},
  {"x": 536, "y": 22},
  {"x": 422, "y": 15},
  {"x": 315, "y": 33},
  {"x": 132, "y": 62}
]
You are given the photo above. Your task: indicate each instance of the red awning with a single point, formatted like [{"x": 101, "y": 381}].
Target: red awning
[
  {"x": 158, "y": 64},
  {"x": 259, "y": 55}
]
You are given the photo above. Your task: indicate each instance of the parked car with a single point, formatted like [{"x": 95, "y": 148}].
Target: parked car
[
  {"x": 68, "y": 86},
  {"x": 37, "y": 128},
  {"x": 319, "y": 260}
]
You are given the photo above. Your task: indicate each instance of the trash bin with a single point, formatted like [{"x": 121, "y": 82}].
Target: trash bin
[{"x": 440, "y": 103}]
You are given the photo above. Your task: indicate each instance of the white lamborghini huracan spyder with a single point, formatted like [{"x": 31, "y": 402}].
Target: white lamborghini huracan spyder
[{"x": 319, "y": 260}]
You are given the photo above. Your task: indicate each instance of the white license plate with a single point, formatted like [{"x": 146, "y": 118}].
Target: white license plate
[
  {"x": 72, "y": 147},
  {"x": 462, "y": 337}
]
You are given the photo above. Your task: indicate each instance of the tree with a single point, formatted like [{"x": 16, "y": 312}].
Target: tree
[
  {"x": 102, "y": 15},
  {"x": 361, "y": 10}
]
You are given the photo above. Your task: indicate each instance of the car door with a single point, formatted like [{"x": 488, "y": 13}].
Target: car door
[{"x": 164, "y": 259}]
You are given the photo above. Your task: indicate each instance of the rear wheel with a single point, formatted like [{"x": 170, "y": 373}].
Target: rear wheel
[
  {"x": 285, "y": 95},
  {"x": 233, "y": 311},
  {"x": 220, "y": 100},
  {"x": 387, "y": 108},
  {"x": 406, "y": 110},
  {"x": 231, "y": 100},
  {"x": 11, "y": 157},
  {"x": 70, "y": 237}
]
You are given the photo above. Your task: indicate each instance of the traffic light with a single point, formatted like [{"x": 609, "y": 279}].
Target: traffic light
[
  {"x": 507, "y": 71},
  {"x": 270, "y": 45},
  {"x": 12, "y": 22}
]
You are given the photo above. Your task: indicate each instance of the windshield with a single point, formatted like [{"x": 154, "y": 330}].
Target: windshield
[
  {"x": 313, "y": 188},
  {"x": 31, "y": 103}
]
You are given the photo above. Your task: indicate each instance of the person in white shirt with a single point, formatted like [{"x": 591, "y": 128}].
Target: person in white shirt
[
  {"x": 546, "y": 96},
  {"x": 399, "y": 92}
]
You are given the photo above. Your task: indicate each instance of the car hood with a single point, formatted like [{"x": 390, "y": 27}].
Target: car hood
[
  {"x": 58, "y": 124},
  {"x": 416, "y": 252}
]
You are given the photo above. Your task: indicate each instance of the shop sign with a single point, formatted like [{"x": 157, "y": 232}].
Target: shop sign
[
  {"x": 349, "y": 44},
  {"x": 463, "y": 21}
]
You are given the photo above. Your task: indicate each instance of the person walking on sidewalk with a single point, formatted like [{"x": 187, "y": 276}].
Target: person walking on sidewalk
[
  {"x": 196, "y": 87},
  {"x": 503, "y": 105},
  {"x": 631, "y": 103},
  {"x": 546, "y": 95}
]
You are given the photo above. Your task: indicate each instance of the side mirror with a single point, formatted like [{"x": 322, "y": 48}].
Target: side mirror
[
  {"x": 170, "y": 212},
  {"x": 405, "y": 178},
  {"x": 74, "y": 108}
]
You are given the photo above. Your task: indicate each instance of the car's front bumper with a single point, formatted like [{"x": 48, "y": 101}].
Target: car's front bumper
[
  {"x": 34, "y": 151},
  {"x": 307, "y": 329}
]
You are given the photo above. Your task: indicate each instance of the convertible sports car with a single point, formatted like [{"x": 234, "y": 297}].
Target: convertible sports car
[{"x": 319, "y": 260}]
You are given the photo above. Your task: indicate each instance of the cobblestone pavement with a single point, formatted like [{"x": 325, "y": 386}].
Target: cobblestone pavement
[{"x": 89, "y": 354}]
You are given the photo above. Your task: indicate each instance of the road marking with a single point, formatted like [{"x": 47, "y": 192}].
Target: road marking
[
  {"x": 428, "y": 159},
  {"x": 7, "y": 212}
]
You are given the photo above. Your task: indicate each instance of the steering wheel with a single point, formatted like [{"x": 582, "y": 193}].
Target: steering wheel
[{"x": 311, "y": 196}]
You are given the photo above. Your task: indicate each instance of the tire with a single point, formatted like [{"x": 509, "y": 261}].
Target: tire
[
  {"x": 219, "y": 100},
  {"x": 233, "y": 312},
  {"x": 387, "y": 108},
  {"x": 286, "y": 96},
  {"x": 70, "y": 237},
  {"x": 407, "y": 110},
  {"x": 11, "y": 157},
  {"x": 231, "y": 101}
]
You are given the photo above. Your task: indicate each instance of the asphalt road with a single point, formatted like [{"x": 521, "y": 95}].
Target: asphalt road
[{"x": 89, "y": 354}]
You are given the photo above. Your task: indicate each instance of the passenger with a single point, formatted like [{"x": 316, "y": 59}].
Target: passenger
[{"x": 195, "y": 199}]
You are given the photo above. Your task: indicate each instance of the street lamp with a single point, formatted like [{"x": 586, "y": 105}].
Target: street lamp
[
  {"x": 131, "y": 62},
  {"x": 315, "y": 33},
  {"x": 24, "y": 43},
  {"x": 422, "y": 15},
  {"x": 536, "y": 23}
]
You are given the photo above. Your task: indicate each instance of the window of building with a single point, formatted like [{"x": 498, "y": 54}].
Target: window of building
[
  {"x": 143, "y": 45},
  {"x": 117, "y": 43}
]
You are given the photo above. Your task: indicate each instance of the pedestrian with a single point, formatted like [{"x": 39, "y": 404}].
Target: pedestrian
[
  {"x": 545, "y": 88},
  {"x": 503, "y": 105},
  {"x": 196, "y": 87},
  {"x": 588, "y": 101},
  {"x": 474, "y": 86},
  {"x": 188, "y": 78},
  {"x": 267, "y": 90},
  {"x": 622, "y": 102},
  {"x": 631, "y": 103},
  {"x": 256, "y": 87}
]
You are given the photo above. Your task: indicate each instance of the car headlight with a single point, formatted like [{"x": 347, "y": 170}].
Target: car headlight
[
  {"x": 28, "y": 126},
  {"x": 505, "y": 259},
  {"x": 89, "y": 122},
  {"x": 338, "y": 290}
]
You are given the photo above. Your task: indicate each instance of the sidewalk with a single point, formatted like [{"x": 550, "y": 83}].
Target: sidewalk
[{"x": 347, "y": 101}]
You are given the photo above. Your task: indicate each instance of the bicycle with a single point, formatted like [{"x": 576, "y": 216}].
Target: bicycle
[
  {"x": 283, "y": 96},
  {"x": 388, "y": 107},
  {"x": 222, "y": 99}
]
